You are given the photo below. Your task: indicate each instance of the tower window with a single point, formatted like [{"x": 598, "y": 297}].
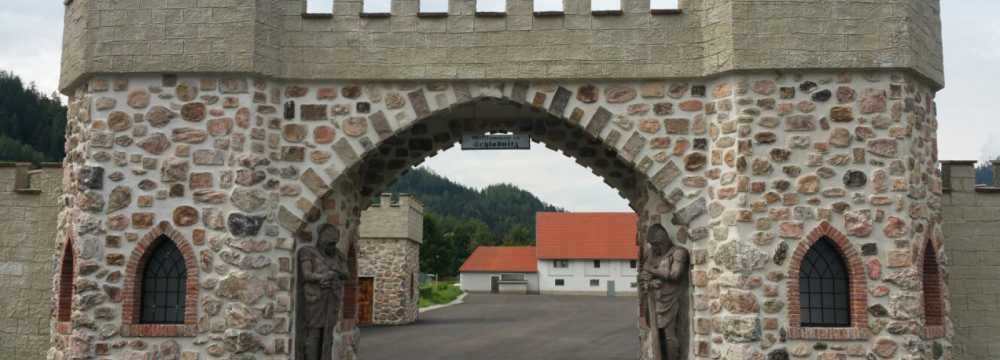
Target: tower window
[
  {"x": 163, "y": 285},
  {"x": 933, "y": 306},
  {"x": 66, "y": 274},
  {"x": 824, "y": 287}
]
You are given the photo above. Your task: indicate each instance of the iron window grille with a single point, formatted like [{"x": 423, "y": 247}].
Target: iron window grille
[
  {"x": 163, "y": 285},
  {"x": 560, "y": 282},
  {"x": 824, "y": 287},
  {"x": 595, "y": 283}
]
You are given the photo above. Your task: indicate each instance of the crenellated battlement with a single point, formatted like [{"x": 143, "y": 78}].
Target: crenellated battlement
[{"x": 281, "y": 39}]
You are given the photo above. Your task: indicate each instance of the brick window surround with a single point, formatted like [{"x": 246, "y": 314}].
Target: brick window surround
[
  {"x": 131, "y": 304},
  {"x": 933, "y": 291},
  {"x": 858, "y": 288},
  {"x": 64, "y": 298}
]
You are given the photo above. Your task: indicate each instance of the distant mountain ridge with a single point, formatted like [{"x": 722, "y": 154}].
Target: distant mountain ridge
[
  {"x": 32, "y": 125},
  {"x": 502, "y": 207}
]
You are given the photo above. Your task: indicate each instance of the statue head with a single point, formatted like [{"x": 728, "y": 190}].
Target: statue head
[
  {"x": 658, "y": 238},
  {"x": 329, "y": 237}
]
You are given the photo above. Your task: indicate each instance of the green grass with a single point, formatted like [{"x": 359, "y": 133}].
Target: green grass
[{"x": 443, "y": 293}]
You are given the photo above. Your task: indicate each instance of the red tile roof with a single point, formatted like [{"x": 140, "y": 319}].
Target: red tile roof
[
  {"x": 586, "y": 236},
  {"x": 501, "y": 258}
]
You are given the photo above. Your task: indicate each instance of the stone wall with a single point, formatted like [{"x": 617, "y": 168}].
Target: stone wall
[
  {"x": 745, "y": 170},
  {"x": 971, "y": 227},
  {"x": 27, "y": 231},
  {"x": 389, "y": 251},
  {"x": 272, "y": 38},
  {"x": 395, "y": 266}
]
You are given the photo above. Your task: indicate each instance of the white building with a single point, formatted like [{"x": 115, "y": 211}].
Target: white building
[
  {"x": 576, "y": 253},
  {"x": 587, "y": 252},
  {"x": 500, "y": 269}
]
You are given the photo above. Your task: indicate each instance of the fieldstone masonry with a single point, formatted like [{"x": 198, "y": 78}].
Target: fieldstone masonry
[
  {"x": 389, "y": 252},
  {"x": 747, "y": 128}
]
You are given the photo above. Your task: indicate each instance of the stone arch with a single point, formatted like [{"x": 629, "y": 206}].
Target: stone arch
[
  {"x": 133, "y": 286},
  {"x": 933, "y": 286},
  {"x": 591, "y": 137},
  {"x": 858, "y": 289}
]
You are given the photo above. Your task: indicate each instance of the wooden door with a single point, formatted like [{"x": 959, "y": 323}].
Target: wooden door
[{"x": 366, "y": 297}]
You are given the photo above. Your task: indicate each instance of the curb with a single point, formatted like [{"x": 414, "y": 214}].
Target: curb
[{"x": 457, "y": 301}]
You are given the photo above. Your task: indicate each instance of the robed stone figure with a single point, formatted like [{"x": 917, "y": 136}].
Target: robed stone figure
[
  {"x": 664, "y": 271},
  {"x": 322, "y": 271}
]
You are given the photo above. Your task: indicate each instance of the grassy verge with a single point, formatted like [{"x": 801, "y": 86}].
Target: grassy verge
[{"x": 443, "y": 293}]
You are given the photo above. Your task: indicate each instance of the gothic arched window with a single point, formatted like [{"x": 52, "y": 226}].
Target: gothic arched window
[
  {"x": 933, "y": 306},
  {"x": 164, "y": 289},
  {"x": 64, "y": 308},
  {"x": 824, "y": 287}
]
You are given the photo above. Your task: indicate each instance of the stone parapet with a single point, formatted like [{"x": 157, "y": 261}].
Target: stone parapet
[
  {"x": 399, "y": 218},
  {"x": 971, "y": 223},
  {"x": 705, "y": 38},
  {"x": 29, "y": 209}
]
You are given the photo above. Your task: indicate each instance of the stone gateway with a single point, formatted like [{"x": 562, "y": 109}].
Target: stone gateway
[{"x": 247, "y": 134}]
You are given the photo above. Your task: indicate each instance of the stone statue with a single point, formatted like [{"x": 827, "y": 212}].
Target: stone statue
[
  {"x": 663, "y": 272},
  {"x": 322, "y": 272}
]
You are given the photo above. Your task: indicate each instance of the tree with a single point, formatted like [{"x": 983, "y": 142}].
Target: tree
[{"x": 32, "y": 119}]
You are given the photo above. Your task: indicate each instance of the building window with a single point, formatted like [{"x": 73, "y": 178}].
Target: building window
[
  {"x": 560, "y": 264},
  {"x": 163, "y": 285},
  {"x": 632, "y": 264},
  {"x": 933, "y": 306},
  {"x": 560, "y": 282},
  {"x": 433, "y": 7},
  {"x": 605, "y": 7},
  {"x": 548, "y": 7},
  {"x": 824, "y": 287},
  {"x": 491, "y": 7},
  {"x": 664, "y": 6},
  {"x": 595, "y": 283},
  {"x": 66, "y": 273},
  {"x": 511, "y": 277},
  {"x": 597, "y": 264},
  {"x": 633, "y": 285},
  {"x": 319, "y": 7}
]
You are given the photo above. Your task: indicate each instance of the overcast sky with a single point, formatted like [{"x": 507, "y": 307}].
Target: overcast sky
[{"x": 31, "y": 37}]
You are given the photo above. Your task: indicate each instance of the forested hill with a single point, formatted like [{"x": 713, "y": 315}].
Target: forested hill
[
  {"x": 984, "y": 173},
  {"x": 31, "y": 124},
  {"x": 504, "y": 208}
]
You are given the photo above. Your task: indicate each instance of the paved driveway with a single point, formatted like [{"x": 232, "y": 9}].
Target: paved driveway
[{"x": 512, "y": 327}]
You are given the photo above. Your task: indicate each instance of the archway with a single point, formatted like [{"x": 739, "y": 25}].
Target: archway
[{"x": 592, "y": 143}]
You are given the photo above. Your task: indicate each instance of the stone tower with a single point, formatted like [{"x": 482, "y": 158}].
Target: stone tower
[
  {"x": 389, "y": 255},
  {"x": 220, "y": 138}
]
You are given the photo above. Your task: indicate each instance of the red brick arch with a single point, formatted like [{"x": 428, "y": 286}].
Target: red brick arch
[
  {"x": 133, "y": 286},
  {"x": 933, "y": 288},
  {"x": 858, "y": 288}
]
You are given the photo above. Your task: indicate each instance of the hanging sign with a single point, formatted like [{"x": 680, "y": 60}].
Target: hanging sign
[{"x": 496, "y": 142}]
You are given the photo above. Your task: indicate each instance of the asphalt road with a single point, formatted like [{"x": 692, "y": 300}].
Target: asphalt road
[{"x": 513, "y": 327}]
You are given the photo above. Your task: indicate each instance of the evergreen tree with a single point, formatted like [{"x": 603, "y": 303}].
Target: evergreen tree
[{"x": 32, "y": 119}]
